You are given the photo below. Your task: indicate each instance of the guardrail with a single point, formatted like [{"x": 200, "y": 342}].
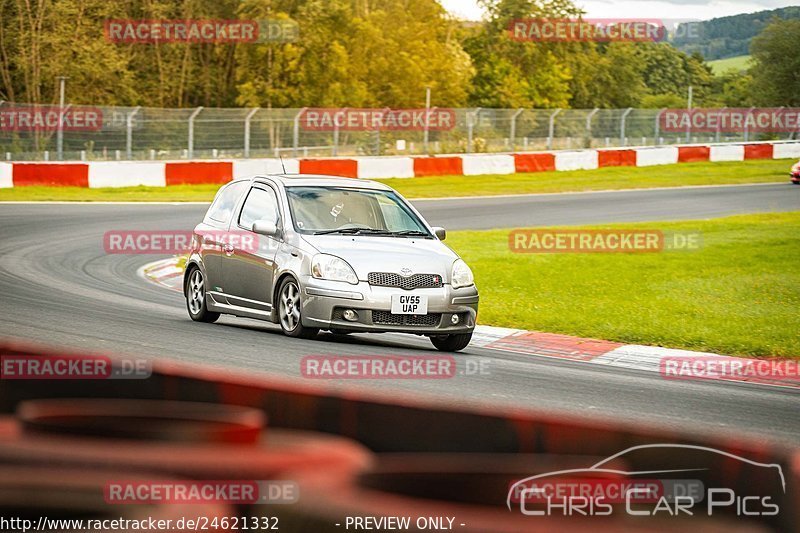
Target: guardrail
[{"x": 159, "y": 174}]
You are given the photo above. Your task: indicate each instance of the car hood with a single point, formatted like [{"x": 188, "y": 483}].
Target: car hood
[{"x": 387, "y": 254}]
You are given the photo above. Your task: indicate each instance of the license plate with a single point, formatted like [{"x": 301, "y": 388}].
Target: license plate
[{"x": 409, "y": 304}]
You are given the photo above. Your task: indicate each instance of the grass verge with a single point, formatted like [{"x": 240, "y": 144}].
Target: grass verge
[
  {"x": 738, "y": 295},
  {"x": 755, "y": 171},
  {"x": 730, "y": 172}
]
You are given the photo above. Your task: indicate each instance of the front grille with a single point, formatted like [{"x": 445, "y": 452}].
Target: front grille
[
  {"x": 417, "y": 281},
  {"x": 387, "y": 318}
]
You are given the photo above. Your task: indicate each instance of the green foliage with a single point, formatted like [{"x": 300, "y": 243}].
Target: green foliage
[
  {"x": 366, "y": 53},
  {"x": 776, "y": 73},
  {"x": 729, "y": 36}
]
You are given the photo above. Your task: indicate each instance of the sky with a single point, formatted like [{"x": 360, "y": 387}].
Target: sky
[{"x": 673, "y": 9}]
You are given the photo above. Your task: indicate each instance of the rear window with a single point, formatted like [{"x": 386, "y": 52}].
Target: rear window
[{"x": 222, "y": 208}]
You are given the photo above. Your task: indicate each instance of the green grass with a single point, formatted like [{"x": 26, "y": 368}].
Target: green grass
[
  {"x": 738, "y": 295},
  {"x": 173, "y": 193},
  {"x": 755, "y": 171},
  {"x": 721, "y": 66}
]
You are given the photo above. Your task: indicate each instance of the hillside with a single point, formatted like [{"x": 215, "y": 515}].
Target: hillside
[
  {"x": 727, "y": 37},
  {"x": 721, "y": 66}
]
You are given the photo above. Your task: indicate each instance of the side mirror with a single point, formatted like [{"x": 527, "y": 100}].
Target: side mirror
[
  {"x": 265, "y": 227},
  {"x": 440, "y": 232}
]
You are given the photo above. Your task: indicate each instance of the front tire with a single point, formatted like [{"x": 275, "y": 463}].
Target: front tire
[
  {"x": 290, "y": 311},
  {"x": 452, "y": 343},
  {"x": 195, "y": 292}
]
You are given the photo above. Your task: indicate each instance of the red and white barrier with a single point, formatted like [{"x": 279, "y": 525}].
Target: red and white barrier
[
  {"x": 246, "y": 168},
  {"x": 159, "y": 174},
  {"x": 475, "y": 165},
  {"x": 385, "y": 167},
  {"x": 733, "y": 152},
  {"x": 786, "y": 150},
  {"x": 127, "y": 174},
  {"x": 578, "y": 160},
  {"x": 6, "y": 175},
  {"x": 665, "y": 155}
]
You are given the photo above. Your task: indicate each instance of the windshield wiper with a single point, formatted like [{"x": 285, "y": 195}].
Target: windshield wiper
[
  {"x": 354, "y": 231},
  {"x": 412, "y": 233}
]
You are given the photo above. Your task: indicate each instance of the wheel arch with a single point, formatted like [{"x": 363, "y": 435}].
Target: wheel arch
[
  {"x": 191, "y": 264},
  {"x": 277, "y": 286}
]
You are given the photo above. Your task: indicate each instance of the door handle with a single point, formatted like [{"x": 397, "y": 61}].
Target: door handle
[{"x": 228, "y": 249}]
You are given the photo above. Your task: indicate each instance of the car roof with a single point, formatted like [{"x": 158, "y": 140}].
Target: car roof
[{"x": 319, "y": 180}]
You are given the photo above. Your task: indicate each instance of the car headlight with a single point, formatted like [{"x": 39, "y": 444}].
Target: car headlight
[
  {"x": 462, "y": 275},
  {"x": 330, "y": 267}
]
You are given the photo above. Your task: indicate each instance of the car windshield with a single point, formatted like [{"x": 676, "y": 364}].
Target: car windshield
[{"x": 331, "y": 210}]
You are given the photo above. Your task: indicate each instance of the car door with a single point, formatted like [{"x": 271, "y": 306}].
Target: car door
[
  {"x": 249, "y": 258},
  {"x": 212, "y": 231}
]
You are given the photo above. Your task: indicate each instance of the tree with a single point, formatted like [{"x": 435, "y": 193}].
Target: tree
[
  {"x": 511, "y": 73},
  {"x": 776, "y": 69},
  {"x": 41, "y": 40}
]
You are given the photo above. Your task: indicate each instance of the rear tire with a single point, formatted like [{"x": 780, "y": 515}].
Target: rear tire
[
  {"x": 195, "y": 291},
  {"x": 452, "y": 343},
  {"x": 290, "y": 311}
]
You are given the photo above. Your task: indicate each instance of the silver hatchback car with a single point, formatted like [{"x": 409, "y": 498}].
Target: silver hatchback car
[{"x": 319, "y": 252}]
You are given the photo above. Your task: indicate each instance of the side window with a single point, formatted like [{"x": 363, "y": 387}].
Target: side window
[
  {"x": 261, "y": 204},
  {"x": 222, "y": 208}
]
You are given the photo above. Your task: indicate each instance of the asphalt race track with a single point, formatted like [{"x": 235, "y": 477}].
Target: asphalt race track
[
  {"x": 613, "y": 206},
  {"x": 60, "y": 288}
]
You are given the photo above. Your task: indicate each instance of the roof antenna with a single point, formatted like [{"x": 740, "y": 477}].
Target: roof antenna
[{"x": 282, "y": 165}]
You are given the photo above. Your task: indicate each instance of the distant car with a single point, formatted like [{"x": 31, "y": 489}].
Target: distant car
[
  {"x": 795, "y": 173},
  {"x": 338, "y": 254}
]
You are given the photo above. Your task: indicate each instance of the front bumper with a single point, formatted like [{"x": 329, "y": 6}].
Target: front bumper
[{"x": 324, "y": 301}]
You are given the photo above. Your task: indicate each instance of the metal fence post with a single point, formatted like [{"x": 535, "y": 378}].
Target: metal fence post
[
  {"x": 658, "y": 125},
  {"x": 471, "y": 116},
  {"x": 622, "y": 126},
  {"x": 552, "y": 129},
  {"x": 60, "y": 132},
  {"x": 427, "y": 119},
  {"x": 196, "y": 112},
  {"x": 129, "y": 133},
  {"x": 513, "y": 132},
  {"x": 247, "y": 131},
  {"x": 335, "y": 150},
  {"x": 718, "y": 127},
  {"x": 296, "y": 132},
  {"x": 589, "y": 125},
  {"x": 746, "y": 128}
]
